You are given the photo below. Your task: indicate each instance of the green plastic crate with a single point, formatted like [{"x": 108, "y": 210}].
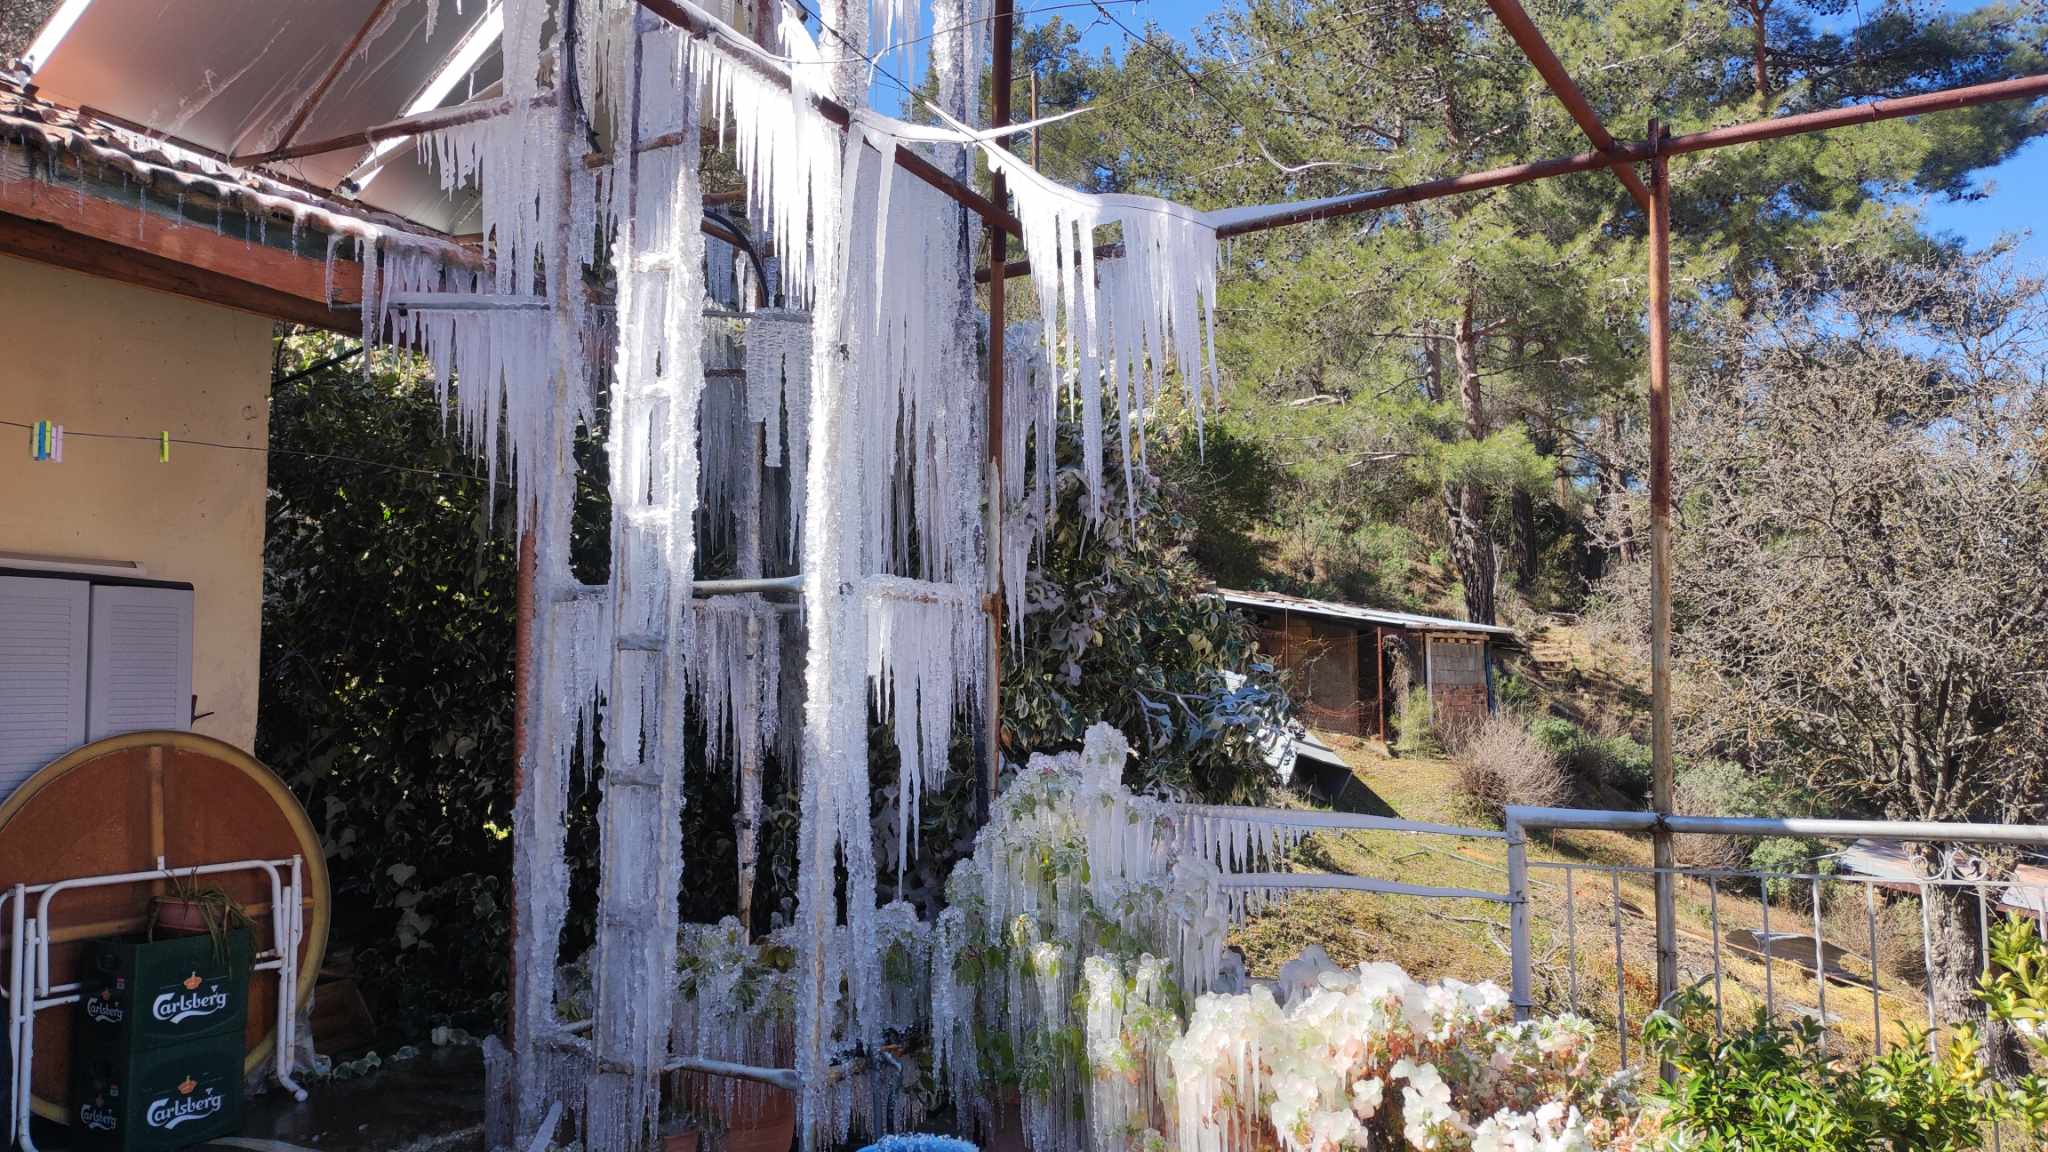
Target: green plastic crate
[
  {"x": 136, "y": 993},
  {"x": 156, "y": 1098}
]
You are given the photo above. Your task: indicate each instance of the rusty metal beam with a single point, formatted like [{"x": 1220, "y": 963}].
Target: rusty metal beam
[
  {"x": 1548, "y": 66},
  {"x": 318, "y": 93},
  {"x": 413, "y": 125},
  {"x": 691, "y": 20},
  {"x": 1756, "y": 131}
]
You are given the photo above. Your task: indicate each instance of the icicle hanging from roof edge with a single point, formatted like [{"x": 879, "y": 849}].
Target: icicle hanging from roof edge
[
  {"x": 835, "y": 825},
  {"x": 924, "y": 438},
  {"x": 786, "y": 151},
  {"x": 1030, "y": 456},
  {"x": 737, "y": 692},
  {"x": 925, "y": 664},
  {"x": 1160, "y": 304},
  {"x": 722, "y": 430}
]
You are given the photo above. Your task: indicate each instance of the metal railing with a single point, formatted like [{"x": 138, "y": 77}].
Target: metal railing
[
  {"x": 1589, "y": 925},
  {"x": 1800, "y": 940}
]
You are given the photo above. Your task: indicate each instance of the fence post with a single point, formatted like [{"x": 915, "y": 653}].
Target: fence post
[{"x": 1518, "y": 916}]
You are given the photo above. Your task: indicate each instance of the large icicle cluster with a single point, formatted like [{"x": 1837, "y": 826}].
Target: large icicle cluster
[
  {"x": 658, "y": 258},
  {"x": 1030, "y": 460},
  {"x": 1115, "y": 323}
]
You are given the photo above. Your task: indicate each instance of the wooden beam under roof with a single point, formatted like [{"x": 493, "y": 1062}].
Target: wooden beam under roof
[{"x": 75, "y": 228}]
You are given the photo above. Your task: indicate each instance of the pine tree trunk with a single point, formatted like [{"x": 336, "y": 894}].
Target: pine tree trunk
[
  {"x": 1527, "y": 551},
  {"x": 1472, "y": 550}
]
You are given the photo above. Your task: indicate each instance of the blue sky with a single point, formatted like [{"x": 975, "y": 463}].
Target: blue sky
[{"x": 2010, "y": 207}]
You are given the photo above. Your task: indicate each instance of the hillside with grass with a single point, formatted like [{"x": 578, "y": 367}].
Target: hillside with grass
[{"x": 1592, "y": 893}]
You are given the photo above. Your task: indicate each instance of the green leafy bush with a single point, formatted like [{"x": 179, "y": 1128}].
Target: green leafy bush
[
  {"x": 1774, "y": 1088},
  {"x": 1121, "y": 627},
  {"x": 1620, "y": 762},
  {"x": 1783, "y": 854}
]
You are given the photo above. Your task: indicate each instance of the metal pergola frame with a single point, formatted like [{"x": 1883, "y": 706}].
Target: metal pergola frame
[{"x": 1652, "y": 196}]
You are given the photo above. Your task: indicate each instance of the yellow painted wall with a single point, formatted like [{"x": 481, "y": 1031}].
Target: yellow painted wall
[{"x": 96, "y": 355}]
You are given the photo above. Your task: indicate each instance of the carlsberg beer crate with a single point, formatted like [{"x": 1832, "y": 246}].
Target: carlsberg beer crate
[
  {"x": 156, "y": 1097},
  {"x": 136, "y": 993}
]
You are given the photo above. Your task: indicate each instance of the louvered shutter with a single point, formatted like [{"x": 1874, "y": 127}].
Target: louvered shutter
[
  {"x": 141, "y": 667},
  {"x": 43, "y": 631}
]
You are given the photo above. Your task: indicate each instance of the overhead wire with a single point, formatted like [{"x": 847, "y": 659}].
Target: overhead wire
[{"x": 263, "y": 449}]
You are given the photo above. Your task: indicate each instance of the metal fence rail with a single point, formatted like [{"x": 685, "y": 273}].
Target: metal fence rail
[{"x": 1578, "y": 916}]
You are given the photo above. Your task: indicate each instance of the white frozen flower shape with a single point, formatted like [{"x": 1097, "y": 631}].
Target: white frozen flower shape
[
  {"x": 1551, "y": 1128},
  {"x": 1366, "y": 1097},
  {"x": 1335, "y": 1129},
  {"x": 1425, "y": 1103},
  {"x": 1293, "y": 1097}
]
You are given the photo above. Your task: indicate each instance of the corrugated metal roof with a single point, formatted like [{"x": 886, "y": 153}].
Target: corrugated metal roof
[
  {"x": 1893, "y": 864},
  {"x": 1278, "y": 602}
]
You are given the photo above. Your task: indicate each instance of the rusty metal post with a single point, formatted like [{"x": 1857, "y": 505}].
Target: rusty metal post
[
  {"x": 1664, "y": 858},
  {"x": 992, "y": 523}
]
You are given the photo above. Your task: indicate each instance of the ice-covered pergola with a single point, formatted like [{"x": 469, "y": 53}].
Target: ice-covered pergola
[{"x": 552, "y": 254}]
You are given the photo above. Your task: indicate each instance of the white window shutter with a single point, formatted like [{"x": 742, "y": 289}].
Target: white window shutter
[
  {"x": 141, "y": 667},
  {"x": 43, "y": 630}
]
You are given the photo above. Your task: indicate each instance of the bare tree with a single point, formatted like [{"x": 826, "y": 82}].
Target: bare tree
[{"x": 1861, "y": 564}]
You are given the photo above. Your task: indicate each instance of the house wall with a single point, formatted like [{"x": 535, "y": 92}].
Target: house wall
[
  {"x": 96, "y": 355},
  {"x": 1323, "y": 655}
]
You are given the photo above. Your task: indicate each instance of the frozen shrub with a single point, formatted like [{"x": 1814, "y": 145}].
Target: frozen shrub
[{"x": 1501, "y": 762}]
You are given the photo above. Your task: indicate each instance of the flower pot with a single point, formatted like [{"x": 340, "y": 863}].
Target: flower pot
[
  {"x": 680, "y": 1141},
  {"x": 176, "y": 917}
]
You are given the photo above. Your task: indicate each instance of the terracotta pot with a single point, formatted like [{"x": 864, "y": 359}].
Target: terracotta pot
[
  {"x": 175, "y": 917},
  {"x": 680, "y": 1142}
]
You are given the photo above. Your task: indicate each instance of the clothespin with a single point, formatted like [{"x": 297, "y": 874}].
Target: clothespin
[
  {"x": 46, "y": 442},
  {"x": 163, "y": 448}
]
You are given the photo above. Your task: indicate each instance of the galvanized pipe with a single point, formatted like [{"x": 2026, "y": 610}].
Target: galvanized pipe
[{"x": 1914, "y": 831}]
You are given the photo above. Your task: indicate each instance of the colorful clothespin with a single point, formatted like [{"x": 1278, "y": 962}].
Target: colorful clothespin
[
  {"x": 163, "y": 448},
  {"x": 46, "y": 442}
]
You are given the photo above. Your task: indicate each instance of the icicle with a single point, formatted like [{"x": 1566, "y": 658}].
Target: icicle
[
  {"x": 1121, "y": 331},
  {"x": 925, "y": 659}
]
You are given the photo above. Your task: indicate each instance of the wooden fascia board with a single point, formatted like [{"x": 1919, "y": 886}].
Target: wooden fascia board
[{"x": 73, "y": 227}]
